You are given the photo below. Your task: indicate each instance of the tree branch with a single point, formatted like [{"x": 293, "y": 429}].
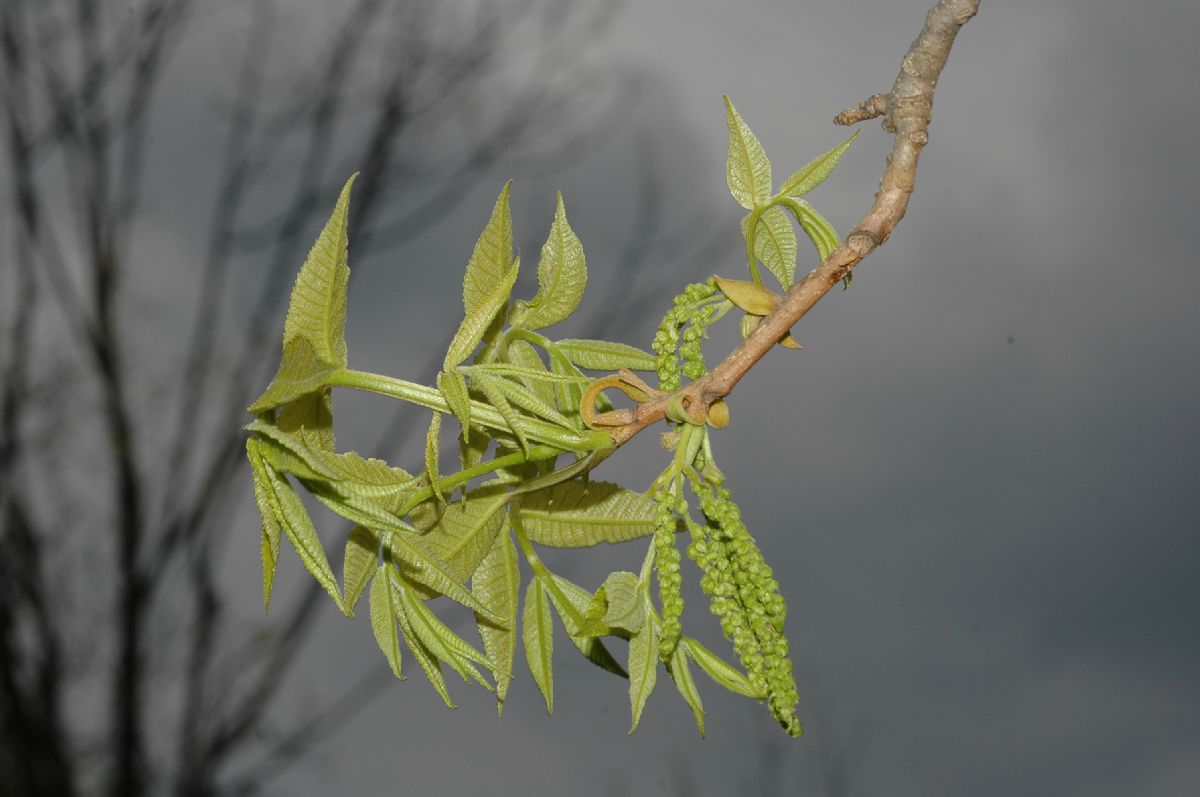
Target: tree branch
[{"x": 906, "y": 110}]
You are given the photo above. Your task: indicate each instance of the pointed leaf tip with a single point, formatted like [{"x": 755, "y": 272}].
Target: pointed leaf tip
[{"x": 747, "y": 170}]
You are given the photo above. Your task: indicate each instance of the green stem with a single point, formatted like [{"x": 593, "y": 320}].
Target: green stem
[
  {"x": 541, "y": 571},
  {"x": 751, "y": 258},
  {"x": 449, "y": 483},
  {"x": 484, "y": 414}
]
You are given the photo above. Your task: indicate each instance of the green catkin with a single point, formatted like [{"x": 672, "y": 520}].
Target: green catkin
[
  {"x": 745, "y": 599},
  {"x": 670, "y": 580},
  {"x": 689, "y": 309}
]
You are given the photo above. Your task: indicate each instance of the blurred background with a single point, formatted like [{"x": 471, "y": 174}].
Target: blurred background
[{"x": 977, "y": 483}]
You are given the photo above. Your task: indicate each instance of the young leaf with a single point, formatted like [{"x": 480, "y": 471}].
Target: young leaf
[
  {"x": 479, "y": 318},
  {"x": 383, "y": 618},
  {"x": 268, "y": 508},
  {"x": 718, "y": 669},
  {"x": 775, "y": 244},
  {"x": 747, "y": 169},
  {"x": 433, "y": 447},
  {"x": 603, "y": 355},
  {"x": 454, "y": 388},
  {"x": 523, "y": 397},
  {"x": 425, "y": 568},
  {"x": 463, "y": 534},
  {"x": 815, "y": 171},
  {"x": 499, "y": 401},
  {"x": 643, "y": 669},
  {"x": 749, "y": 296},
  {"x": 624, "y": 607},
  {"x": 527, "y": 365},
  {"x": 495, "y": 583},
  {"x": 562, "y": 277},
  {"x": 537, "y": 630},
  {"x": 312, "y": 414},
  {"x": 433, "y": 670},
  {"x": 490, "y": 261},
  {"x": 682, "y": 675},
  {"x": 440, "y": 641},
  {"x": 294, "y": 519},
  {"x": 818, "y": 229},
  {"x": 575, "y": 514},
  {"x": 300, "y": 372},
  {"x": 359, "y": 563},
  {"x": 578, "y": 601},
  {"x": 317, "y": 309}
]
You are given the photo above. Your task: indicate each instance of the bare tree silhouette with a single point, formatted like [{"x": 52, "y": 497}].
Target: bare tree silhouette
[{"x": 146, "y": 524}]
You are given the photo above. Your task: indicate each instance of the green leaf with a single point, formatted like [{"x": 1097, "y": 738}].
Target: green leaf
[
  {"x": 682, "y": 675},
  {"x": 312, "y": 413},
  {"x": 578, "y": 600},
  {"x": 454, "y": 388},
  {"x": 749, "y": 296},
  {"x": 384, "y": 619},
  {"x": 317, "y": 309},
  {"x": 464, "y": 533},
  {"x": 268, "y": 508},
  {"x": 433, "y": 447},
  {"x": 603, "y": 355},
  {"x": 718, "y": 669},
  {"x": 425, "y": 568},
  {"x": 537, "y": 631},
  {"x": 818, "y": 228},
  {"x": 775, "y": 244},
  {"x": 495, "y": 583},
  {"x": 624, "y": 607},
  {"x": 527, "y": 365},
  {"x": 578, "y": 514},
  {"x": 298, "y": 527},
  {"x": 747, "y": 170},
  {"x": 497, "y": 399},
  {"x": 490, "y": 261},
  {"x": 815, "y": 171},
  {"x": 440, "y": 641},
  {"x": 643, "y": 670},
  {"x": 479, "y": 318},
  {"x": 359, "y": 563},
  {"x": 562, "y": 277},
  {"x": 523, "y": 397},
  {"x": 301, "y": 371},
  {"x": 424, "y": 657}
]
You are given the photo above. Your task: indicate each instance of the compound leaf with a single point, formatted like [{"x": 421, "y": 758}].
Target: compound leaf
[
  {"x": 440, "y": 641},
  {"x": 425, "y": 568},
  {"x": 578, "y": 514}
]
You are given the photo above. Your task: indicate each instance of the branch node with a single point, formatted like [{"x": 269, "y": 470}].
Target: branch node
[{"x": 871, "y": 107}]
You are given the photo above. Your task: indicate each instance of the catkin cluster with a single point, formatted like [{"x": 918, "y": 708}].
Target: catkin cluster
[
  {"x": 670, "y": 580},
  {"x": 688, "y": 308},
  {"x": 745, "y": 599}
]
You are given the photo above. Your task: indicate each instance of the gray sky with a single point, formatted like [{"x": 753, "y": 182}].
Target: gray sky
[{"x": 977, "y": 484}]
